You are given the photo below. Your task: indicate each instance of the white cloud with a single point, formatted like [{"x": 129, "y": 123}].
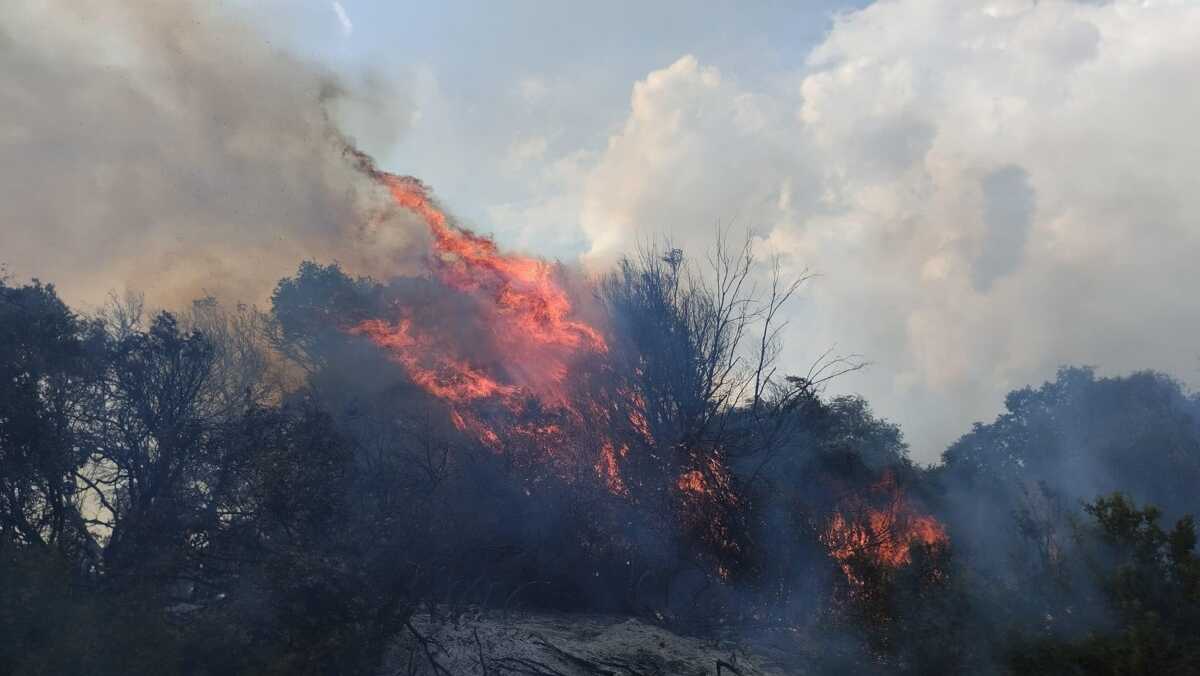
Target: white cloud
[
  {"x": 343, "y": 18},
  {"x": 696, "y": 152},
  {"x": 989, "y": 190}
]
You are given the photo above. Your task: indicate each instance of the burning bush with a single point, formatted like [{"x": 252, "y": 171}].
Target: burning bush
[
  {"x": 628, "y": 420},
  {"x": 500, "y": 431}
]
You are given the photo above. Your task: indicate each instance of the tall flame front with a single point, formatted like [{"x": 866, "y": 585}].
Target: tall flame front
[
  {"x": 881, "y": 525},
  {"x": 530, "y": 320},
  {"x": 529, "y": 393}
]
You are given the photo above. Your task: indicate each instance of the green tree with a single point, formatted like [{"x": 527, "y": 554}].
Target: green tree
[{"x": 1150, "y": 578}]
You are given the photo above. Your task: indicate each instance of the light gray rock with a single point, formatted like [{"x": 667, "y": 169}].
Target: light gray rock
[{"x": 544, "y": 644}]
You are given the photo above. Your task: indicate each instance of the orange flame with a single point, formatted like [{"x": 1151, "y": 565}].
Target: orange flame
[
  {"x": 529, "y": 318},
  {"x": 440, "y": 375},
  {"x": 886, "y": 534},
  {"x": 609, "y": 470},
  {"x": 524, "y": 290}
]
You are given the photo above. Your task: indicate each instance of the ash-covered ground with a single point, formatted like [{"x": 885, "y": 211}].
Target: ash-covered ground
[{"x": 565, "y": 644}]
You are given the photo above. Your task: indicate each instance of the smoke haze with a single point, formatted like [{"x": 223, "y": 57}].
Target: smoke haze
[
  {"x": 988, "y": 190},
  {"x": 172, "y": 150}
]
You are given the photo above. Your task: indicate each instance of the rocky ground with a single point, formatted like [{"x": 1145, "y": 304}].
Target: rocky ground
[{"x": 542, "y": 644}]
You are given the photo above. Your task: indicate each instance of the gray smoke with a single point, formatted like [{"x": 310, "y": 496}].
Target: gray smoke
[{"x": 167, "y": 147}]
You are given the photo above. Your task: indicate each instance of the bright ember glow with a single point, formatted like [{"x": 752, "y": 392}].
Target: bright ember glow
[
  {"x": 529, "y": 321},
  {"x": 885, "y": 528},
  {"x": 517, "y": 378},
  {"x": 435, "y": 371},
  {"x": 524, "y": 290}
]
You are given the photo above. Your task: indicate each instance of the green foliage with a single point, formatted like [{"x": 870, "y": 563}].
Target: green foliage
[
  {"x": 310, "y": 308},
  {"x": 931, "y": 626},
  {"x": 1151, "y": 579},
  {"x": 162, "y": 512},
  {"x": 149, "y": 524},
  {"x": 1083, "y": 436},
  {"x": 53, "y": 622}
]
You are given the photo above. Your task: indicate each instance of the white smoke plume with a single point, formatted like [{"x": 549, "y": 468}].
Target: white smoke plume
[
  {"x": 988, "y": 191},
  {"x": 168, "y": 148}
]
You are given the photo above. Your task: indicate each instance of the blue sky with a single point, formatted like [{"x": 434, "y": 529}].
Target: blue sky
[
  {"x": 987, "y": 189},
  {"x": 474, "y": 68}
]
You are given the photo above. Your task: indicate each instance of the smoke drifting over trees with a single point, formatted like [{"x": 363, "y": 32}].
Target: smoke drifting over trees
[{"x": 236, "y": 492}]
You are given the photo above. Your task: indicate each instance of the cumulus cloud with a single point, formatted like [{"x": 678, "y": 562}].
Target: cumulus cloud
[
  {"x": 169, "y": 148},
  {"x": 696, "y": 152},
  {"x": 988, "y": 189}
]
